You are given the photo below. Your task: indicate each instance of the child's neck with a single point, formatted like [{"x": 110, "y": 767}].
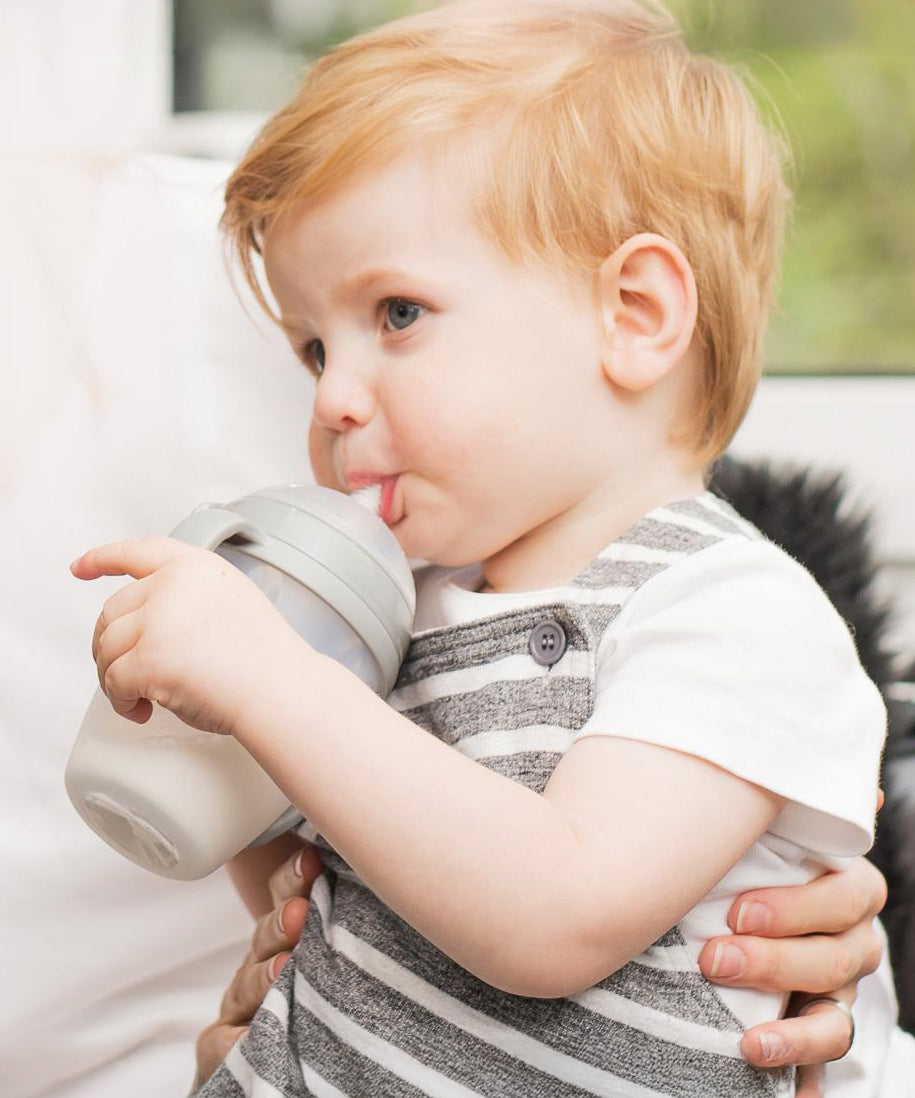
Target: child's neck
[{"x": 554, "y": 553}]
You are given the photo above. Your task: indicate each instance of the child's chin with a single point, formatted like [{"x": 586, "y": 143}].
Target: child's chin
[
  {"x": 414, "y": 545},
  {"x": 425, "y": 543},
  {"x": 404, "y": 539}
]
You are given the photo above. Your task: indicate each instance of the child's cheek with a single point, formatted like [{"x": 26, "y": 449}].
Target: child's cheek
[
  {"x": 440, "y": 414},
  {"x": 320, "y": 456}
]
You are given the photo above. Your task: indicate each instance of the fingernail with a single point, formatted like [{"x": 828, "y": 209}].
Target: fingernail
[
  {"x": 276, "y": 965},
  {"x": 280, "y": 916},
  {"x": 773, "y": 1047},
  {"x": 297, "y": 864},
  {"x": 728, "y": 961},
  {"x": 752, "y": 918}
]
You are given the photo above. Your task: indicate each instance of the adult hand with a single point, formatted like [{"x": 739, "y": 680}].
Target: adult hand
[
  {"x": 815, "y": 940},
  {"x": 275, "y": 935}
]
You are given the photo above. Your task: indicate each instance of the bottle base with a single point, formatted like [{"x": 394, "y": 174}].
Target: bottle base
[{"x": 129, "y": 833}]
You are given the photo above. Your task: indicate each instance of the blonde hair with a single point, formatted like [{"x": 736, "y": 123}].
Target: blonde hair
[{"x": 608, "y": 126}]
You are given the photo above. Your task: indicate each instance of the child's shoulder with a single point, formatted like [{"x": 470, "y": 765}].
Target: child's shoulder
[{"x": 702, "y": 553}]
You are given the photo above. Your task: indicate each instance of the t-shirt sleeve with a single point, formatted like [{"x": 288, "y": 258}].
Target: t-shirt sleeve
[{"x": 736, "y": 655}]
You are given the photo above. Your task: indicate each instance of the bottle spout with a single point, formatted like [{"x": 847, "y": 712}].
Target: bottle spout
[{"x": 368, "y": 498}]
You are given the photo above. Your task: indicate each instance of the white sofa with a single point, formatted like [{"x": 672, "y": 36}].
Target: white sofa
[{"x": 134, "y": 387}]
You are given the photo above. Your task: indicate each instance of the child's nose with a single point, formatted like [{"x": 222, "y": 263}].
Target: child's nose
[{"x": 344, "y": 396}]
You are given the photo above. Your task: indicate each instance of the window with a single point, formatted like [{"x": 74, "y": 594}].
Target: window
[
  {"x": 838, "y": 72},
  {"x": 841, "y": 354}
]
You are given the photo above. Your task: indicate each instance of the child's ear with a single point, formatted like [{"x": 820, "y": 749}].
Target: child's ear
[{"x": 648, "y": 302}]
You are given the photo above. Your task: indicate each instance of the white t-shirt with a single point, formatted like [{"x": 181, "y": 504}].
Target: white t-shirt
[{"x": 714, "y": 657}]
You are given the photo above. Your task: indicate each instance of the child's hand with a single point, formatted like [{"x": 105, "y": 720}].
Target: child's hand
[{"x": 193, "y": 633}]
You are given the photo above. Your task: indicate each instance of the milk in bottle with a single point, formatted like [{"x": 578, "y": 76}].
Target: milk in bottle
[{"x": 181, "y": 802}]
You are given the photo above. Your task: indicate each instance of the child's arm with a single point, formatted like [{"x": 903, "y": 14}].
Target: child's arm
[
  {"x": 537, "y": 895},
  {"x": 632, "y": 836}
]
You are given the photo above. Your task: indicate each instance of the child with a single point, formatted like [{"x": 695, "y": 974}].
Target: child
[{"x": 527, "y": 250}]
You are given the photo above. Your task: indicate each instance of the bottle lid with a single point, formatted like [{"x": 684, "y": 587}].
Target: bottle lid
[{"x": 324, "y": 539}]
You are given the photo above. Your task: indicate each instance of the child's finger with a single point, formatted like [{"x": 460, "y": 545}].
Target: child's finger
[
  {"x": 130, "y": 598},
  {"x": 120, "y": 679},
  {"x": 116, "y": 641},
  {"x": 140, "y": 713},
  {"x": 137, "y": 557}
]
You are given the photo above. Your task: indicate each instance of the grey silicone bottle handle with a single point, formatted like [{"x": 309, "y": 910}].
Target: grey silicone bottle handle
[{"x": 208, "y": 527}]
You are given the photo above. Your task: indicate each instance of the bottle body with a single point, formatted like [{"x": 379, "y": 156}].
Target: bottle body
[
  {"x": 172, "y": 799},
  {"x": 181, "y": 802}
]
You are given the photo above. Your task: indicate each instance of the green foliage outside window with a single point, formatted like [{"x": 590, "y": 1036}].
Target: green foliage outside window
[{"x": 840, "y": 74}]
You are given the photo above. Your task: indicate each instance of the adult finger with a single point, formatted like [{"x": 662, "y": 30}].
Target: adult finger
[
  {"x": 213, "y": 1045},
  {"x": 246, "y": 992},
  {"x": 809, "y": 1081},
  {"x": 130, "y": 598},
  {"x": 820, "y": 1034},
  {"x": 816, "y": 963},
  {"x": 279, "y": 929},
  {"x": 296, "y": 875},
  {"x": 137, "y": 557},
  {"x": 832, "y": 903}
]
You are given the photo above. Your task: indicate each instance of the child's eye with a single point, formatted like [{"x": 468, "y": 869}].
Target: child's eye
[
  {"x": 400, "y": 313},
  {"x": 313, "y": 355}
]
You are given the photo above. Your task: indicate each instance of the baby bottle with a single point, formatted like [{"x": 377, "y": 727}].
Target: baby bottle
[{"x": 181, "y": 802}]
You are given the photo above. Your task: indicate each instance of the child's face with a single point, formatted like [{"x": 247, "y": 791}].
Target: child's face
[{"x": 469, "y": 387}]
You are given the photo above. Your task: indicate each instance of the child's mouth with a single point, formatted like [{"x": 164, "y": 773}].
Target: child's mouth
[
  {"x": 386, "y": 507},
  {"x": 378, "y": 497}
]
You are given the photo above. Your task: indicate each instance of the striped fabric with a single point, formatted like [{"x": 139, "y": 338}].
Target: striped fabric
[{"x": 370, "y": 1008}]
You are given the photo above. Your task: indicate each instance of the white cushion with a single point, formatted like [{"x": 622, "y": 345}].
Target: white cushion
[{"x": 135, "y": 387}]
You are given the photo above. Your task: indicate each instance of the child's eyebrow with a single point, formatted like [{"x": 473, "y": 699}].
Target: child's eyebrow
[{"x": 354, "y": 287}]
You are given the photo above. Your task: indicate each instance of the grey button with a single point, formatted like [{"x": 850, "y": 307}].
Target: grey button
[{"x": 548, "y": 643}]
